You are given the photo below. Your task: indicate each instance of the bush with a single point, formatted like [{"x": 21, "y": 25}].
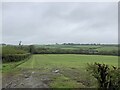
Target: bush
[
  {"x": 13, "y": 54},
  {"x": 12, "y": 50},
  {"x": 14, "y": 57},
  {"x": 107, "y": 77}
]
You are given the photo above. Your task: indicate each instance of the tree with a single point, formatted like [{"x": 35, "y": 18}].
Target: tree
[
  {"x": 31, "y": 49},
  {"x": 20, "y": 44}
]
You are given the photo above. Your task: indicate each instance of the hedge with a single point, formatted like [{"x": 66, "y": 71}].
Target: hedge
[{"x": 14, "y": 57}]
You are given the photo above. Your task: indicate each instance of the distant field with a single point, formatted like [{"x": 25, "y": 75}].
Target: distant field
[
  {"x": 62, "y": 49},
  {"x": 72, "y": 68},
  {"x": 85, "y": 47}
]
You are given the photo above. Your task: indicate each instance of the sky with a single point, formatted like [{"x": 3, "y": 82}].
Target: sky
[{"x": 59, "y": 22}]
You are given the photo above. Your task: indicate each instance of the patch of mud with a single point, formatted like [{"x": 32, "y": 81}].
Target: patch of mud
[{"x": 27, "y": 79}]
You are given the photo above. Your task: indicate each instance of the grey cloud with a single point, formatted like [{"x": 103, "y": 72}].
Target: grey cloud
[{"x": 44, "y": 23}]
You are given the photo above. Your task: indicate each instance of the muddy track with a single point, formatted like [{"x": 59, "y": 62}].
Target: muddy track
[{"x": 27, "y": 79}]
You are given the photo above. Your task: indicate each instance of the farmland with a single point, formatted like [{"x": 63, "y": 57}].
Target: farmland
[
  {"x": 54, "y": 66},
  {"x": 98, "y": 47},
  {"x": 54, "y": 70},
  {"x": 95, "y": 49},
  {"x": 69, "y": 45}
]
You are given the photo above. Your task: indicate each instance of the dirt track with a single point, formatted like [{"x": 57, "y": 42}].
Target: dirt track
[{"x": 27, "y": 79}]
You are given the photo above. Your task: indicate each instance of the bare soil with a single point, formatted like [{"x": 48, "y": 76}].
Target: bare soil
[{"x": 28, "y": 79}]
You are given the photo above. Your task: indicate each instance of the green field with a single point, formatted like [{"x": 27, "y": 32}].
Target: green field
[
  {"x": 62, "y": 60},
  {"x": 72, "y": 68},
  {"x": 85, "y": 47}
]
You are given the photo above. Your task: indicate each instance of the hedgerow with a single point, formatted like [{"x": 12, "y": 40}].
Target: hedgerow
[
  {"x": 14, "y": 57},
  {"x": 13, "y": 54}
]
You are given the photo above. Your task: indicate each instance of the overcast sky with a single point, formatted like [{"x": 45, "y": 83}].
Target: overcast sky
[{"x": 47, "y": 23}]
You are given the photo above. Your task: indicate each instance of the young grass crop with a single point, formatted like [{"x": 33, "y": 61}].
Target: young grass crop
[{"x": 72, "y": 68}]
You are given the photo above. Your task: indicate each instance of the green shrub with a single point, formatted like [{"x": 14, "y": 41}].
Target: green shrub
[
  {"x": 14, "y": 57},
  {"x": 12, "y": 50},
  {"x": 13, "y": 54},
  {"x": 107, "y": 77}
]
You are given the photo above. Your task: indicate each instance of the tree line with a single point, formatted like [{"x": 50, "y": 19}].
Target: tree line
[{"x": 89, "y": 51}]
